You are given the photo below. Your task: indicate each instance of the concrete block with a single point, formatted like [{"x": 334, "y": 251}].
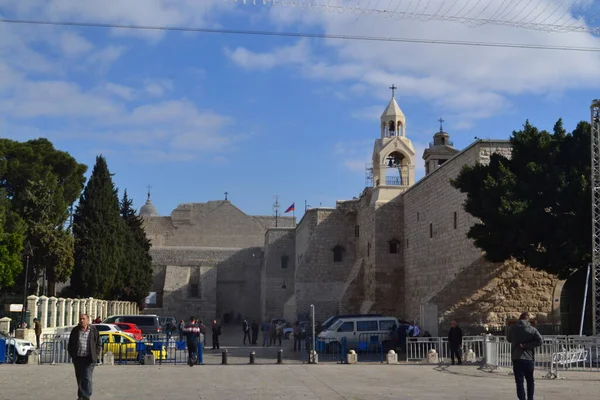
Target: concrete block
[
  {"x": 351, "y": 357},
  {"x": 470, "y": 356},
  {"x": 149, "y": 359},
  {"x": 392, "y": 357},
  {"x": 33, "y": 358},
  {"x": 108, "y": 359},
  {"x": 432, "y": 357}
]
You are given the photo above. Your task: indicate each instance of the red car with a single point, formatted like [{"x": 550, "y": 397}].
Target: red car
[{"x": 130, "y": 328}]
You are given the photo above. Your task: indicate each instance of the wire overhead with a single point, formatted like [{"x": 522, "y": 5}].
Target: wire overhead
[
  {"x": 543, "y": 15},
  {"x": 300, "y": 34}
]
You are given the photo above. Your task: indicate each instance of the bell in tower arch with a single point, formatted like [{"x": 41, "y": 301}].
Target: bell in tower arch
[{"x": 392, "y": 128}]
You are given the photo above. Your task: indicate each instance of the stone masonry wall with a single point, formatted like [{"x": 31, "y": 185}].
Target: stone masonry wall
[
  {"x": 279, "y": 243},
  {"x": 488, "y": 293},
  {"x": 389, "y": 266},
  {"x": 320, "y": 280},
  {"x": 437, "y": 250},
  {"x": 229, "y": 281},
  {"x": 211, "y": 224}
]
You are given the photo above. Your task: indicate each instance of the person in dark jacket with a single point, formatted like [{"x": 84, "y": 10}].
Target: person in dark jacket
[
  {"x": 254, "y": 328},
  {"x": 216, "y": 332},
  {"x": 84, "y": 349},
  {"x": 38, "y": 331},
  {"x": 192, "y": 334},
  {"x": 455, "y": 338},
  {"x": 246, "y": 330},
  {"x": 524, "y": 338}
]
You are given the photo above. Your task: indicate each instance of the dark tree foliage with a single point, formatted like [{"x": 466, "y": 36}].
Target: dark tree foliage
[
  {"x": 99, "y": 236},
  {"x": 135, "y": 276},
  {"x": 11, "y": 244},
  {"x": 535, "y": 206},
  {"x": 41, "y": 183}
]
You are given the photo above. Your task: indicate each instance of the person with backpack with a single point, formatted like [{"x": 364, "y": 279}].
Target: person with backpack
[
  {"x": 192, "y": 334},
  {"x": 524, "y": 338}
]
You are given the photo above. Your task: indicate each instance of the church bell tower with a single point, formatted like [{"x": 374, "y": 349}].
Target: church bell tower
[{"x": 393, "y": 154}]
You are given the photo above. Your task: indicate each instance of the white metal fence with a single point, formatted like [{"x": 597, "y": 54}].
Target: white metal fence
[{"x": 556, "y": 354}]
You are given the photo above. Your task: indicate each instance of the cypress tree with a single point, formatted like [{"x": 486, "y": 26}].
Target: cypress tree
[
  {"x": 135, "y": 277},
  {"x": 98, "y": 232}
]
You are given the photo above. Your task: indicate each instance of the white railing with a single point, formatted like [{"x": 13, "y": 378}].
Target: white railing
[
  {"x": 418, "y": 348},
  {"x": 556, "y": 354}
]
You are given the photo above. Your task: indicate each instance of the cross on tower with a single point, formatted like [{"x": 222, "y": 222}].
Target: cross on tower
[
  {"x": 149, "y": 187},
  {"x": 393, "y": 87},
  {"x": 441, "y": 121},
  {"x": 226, "y": 194}
]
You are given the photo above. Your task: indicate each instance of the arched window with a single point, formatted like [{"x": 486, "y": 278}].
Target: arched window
[
  {"x": 284, "y": 262},
  {"x": 338, "y": 253}
]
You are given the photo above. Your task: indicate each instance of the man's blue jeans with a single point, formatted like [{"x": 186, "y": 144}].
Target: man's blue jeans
[
  {"x": 84, "y": 368},
  {"x": 523, "y": 370}
]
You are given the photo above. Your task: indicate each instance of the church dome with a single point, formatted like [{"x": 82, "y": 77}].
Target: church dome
[{"x": 148, "y": 209}]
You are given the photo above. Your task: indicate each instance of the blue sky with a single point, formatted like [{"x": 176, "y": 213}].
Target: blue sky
[{"x": 195, "y": 115}]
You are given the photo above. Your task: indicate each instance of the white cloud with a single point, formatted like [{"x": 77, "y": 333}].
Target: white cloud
[
  {"x": 470, "y": 82},
  {"x": 103, "y": 59},
  {"x": 121, "y": 91},
  {"x": 158, "y": 88},
  {"x": 73, "y": 45},
  {"x": 282, "y": 55}
]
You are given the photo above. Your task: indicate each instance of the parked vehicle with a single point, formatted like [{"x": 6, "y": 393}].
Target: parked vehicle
[
  {"x": 357, "y": 329},
  {"x": 329, "y": 321},
  {"x": 148, "y": 324},
  {"x": 17, "y": 350},
  {"x": 125, "y": 348},
  {"x": 130, "y": 328}
]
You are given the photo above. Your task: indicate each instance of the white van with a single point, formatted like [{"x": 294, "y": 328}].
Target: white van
[{"x": 359, "y": 331}]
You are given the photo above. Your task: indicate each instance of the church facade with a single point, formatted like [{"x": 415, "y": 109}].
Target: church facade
[{"x": 399, "y": 249}]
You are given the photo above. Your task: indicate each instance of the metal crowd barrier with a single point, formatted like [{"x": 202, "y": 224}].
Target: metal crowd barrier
[
  {"x": 418, "y": 348},
  {"x": 55, "y": 351},
  {"x": 369, "y": 346},
  {"x": 556, "y": 354}
]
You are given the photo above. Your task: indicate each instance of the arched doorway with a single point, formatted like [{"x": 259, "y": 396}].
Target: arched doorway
[{"x": 571, "y": 304}]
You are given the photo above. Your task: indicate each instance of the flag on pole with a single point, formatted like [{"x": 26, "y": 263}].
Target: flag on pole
[{"x": 290, "y": 208}]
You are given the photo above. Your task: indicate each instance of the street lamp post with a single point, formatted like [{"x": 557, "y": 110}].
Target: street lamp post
[{"x": 28, "y": 255}]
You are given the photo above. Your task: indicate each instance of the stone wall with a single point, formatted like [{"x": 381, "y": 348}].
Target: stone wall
[
  {"x": 442, "y": 266},
  {"x": 488, "y": 293},
  {"x": 211, "y": 224},
  {"x": 278, "y": 270},
  {"x": 320, "y": 280},
  {"x": 228, "y": 282},
  {"x": 389, "y": 258},
  {"x": 215, "y": 246}
]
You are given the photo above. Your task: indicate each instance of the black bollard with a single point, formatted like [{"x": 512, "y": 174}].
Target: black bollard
[
  {"x": 280, "y": 356},
  {"x": 224, "y": 357},
  {"x": 252, "y": 356}
]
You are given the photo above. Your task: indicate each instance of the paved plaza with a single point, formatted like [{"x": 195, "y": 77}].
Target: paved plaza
[{"x": 288, "y": 381}]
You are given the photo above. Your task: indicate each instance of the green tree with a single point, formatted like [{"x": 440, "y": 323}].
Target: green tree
[
  {"x": 535, "y": 206},
  {"x": 98, "y": 232},
  {"x": 53, "y": 243},
  {"x": 11, "y": 244},
  {"x": 33, "y": 174},
  {"x": 135, "y": 276}
]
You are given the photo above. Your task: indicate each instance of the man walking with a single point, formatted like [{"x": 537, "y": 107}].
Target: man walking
[
  {"x": 455, "y": 338},
  {"x": 84, "y": 349},
  {"x": 524, "y": 338},
  {"x": 216, "y": 332},
  {"x": 38, "y": 331},
  {"x": 192, "y": 334},
  {"x": 246, "y": 329}
]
